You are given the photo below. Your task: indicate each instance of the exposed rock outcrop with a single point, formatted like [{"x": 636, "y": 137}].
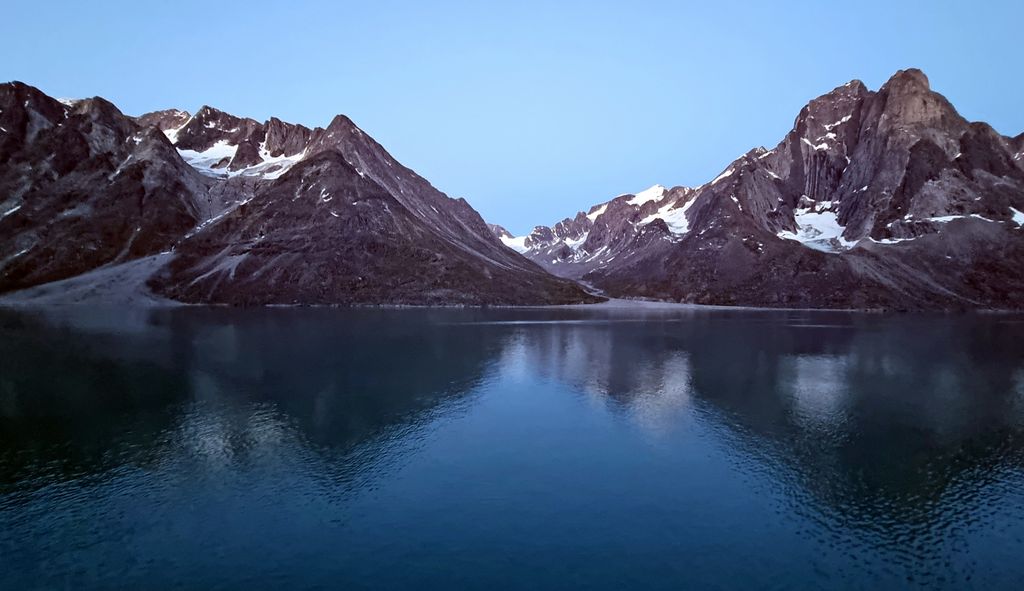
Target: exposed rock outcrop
[
  {"x": 884, "y": 199},
  {"x": 249, "y": 212}
]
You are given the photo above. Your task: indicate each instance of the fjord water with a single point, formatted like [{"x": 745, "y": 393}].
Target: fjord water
[{"x": 525, "y": 449}]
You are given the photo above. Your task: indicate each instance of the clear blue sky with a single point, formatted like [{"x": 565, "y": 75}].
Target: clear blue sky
[{"x": 530, "y": 110}]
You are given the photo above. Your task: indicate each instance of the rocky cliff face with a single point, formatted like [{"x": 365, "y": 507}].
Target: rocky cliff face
[
  {"x": 884, "y": 198},
  {"x": 874, "y": 199},
  {"x": 82, "y": 186},
  {"x": 251, "y": 212}
]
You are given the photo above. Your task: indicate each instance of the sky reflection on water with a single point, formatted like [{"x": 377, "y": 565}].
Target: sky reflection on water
[{"x": 513, "y": 448}]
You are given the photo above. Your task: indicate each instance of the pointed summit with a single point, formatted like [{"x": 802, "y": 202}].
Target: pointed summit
[
  {"x": 911, "y": 79},
  {"x": 255, "y": 213},
  {"x": 873, "y": 199},
  {"x": 164, "y": 120}
]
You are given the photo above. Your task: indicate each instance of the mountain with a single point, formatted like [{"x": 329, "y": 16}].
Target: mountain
[
  {"x": 225, "y": 209},
  {"x": 875, "y": 199},
  {"x": 82, "y": 186},
  {"x": 575, "y": 246}
]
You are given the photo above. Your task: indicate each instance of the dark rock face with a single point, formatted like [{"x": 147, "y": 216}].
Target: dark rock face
[
  {"x": 254, "y": 213},
  {"x": 1017, "y": 145},
  {"x": 166, "y": 119},
  {"x": 576, "y": 245},
  {"x": 499, "y": 231},
  {"x": 82, "y": 186},
  {"x": 326, "y": 234},
  {"x": 886, "y": 199}
]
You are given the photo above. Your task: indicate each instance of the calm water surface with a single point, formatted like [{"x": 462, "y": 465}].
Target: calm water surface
[{"x": 522, "y": 449}]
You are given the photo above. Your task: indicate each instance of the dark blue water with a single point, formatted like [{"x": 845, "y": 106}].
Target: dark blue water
[{"x": 528, "y": 449}]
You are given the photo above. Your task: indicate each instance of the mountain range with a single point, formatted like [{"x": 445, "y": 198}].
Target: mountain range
[
  {"x": 875, "y": 199},
  {"x": 213, "y": 208}
]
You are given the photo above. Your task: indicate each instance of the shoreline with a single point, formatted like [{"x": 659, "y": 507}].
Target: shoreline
[
  {"x": 152, "y": 302},
  {"x": 123, "y": 285}
]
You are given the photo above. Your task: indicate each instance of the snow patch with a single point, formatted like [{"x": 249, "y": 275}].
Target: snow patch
[
  {"x": 674, "y": 217},
  {"x": 593, "y": 216},
  {"x": 725, "y": 174},
  {"x": 818, "y": 230},
  {"x": 272, "y": 167},
  {"x": 816, "y": 147},
  {"x": 945, "y": 219},
  {"x": 652, "y": 194},
  {"x": 575, "y": 243},
  {"x": 1018, "y": 216},
  {"x": 206, "y": 160},
  {"x": 831, "y": 126},
  {"x": 516, "y": 243},
  {"x": 892, "y": 240}
]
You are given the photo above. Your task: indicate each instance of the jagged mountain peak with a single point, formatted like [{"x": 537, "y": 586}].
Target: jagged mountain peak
[
  {"x": 825, "y": 116},
  {"x": 17, "y": 98},
  {"x": 652, "y": 193},
  {"x": 95, "y": 106},
  {"x": 220, "y": 144},
  {"x": 908, "y": 80},
  {"x": 856, "y": 85},
  {"x": 589, "y": 237},
  {"x": 907, "y": 100},
  {"x": 887, "y": 196},
  {"x": 18, "y": 89},
  {"x": 164, "y": 119},
  {"x": 499, "y": 231},
  {"x": 341, "y": 122},
  {"x": 225, "y": 209},
  {"x": 210, "y": 113}
]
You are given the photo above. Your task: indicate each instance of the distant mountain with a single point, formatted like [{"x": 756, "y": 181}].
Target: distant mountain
[
  {"x": 884, "y": 199},
  {"x": 231, "y": 210}
]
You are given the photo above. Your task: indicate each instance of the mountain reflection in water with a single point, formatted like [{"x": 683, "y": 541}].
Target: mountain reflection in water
[{"x": 516, "y": 448}]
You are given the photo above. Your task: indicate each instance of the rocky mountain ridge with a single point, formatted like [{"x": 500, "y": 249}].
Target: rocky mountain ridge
[
  {"x": 251, "y": 213},
  {"x": 875, "y": 199},
  {"x": 883, "y": 198}
]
